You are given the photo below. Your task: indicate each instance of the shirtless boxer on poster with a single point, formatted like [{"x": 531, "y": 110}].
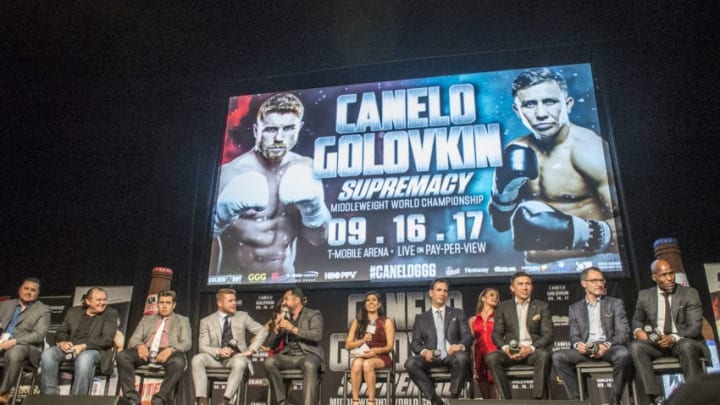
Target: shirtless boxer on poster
[
  {"x": 553, "y": 190},
  {"x": 267, "y": 198}
]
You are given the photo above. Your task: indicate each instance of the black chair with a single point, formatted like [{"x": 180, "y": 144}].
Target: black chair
[
  {"x": 518, "y": 371},
  {"x": 294, "y": 374},
  {"x": 152, "y": 371},
  {"x": 386, "y": 375},
  {"x": 667, "y": 365},
  {"x": 587, "y": 368},
  {"x": 68, "y": 366},
  {"x": 27, "y": 367},
  {"x": 443, "y": 374},
  {"x": 222, "y": 374}
]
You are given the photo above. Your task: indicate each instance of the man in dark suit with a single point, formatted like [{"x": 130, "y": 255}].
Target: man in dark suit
[
  {"x": 524, "y": 334},
  {"x": 86, "y": 336},
  {"x": 160, "y": 339},
  {"x": 673, "y": 315},
  {"x": 441, "y": 336},
  {"x": 301, "y": 333},
  {"x": 222, "y": 343},
  {"x": 24, "y": 322},
  {"x": 599, "y": 330}
]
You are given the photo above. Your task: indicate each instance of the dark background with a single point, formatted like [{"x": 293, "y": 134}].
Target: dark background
[{"x": 113, "y": 112}]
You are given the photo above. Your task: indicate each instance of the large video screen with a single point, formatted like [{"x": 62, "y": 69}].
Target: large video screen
[{"x": 464, "y": 176}]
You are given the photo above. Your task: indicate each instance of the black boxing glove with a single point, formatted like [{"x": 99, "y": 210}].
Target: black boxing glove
[
  {"x": 538, "y": 226},
  {"x": 519, "y": 165}
]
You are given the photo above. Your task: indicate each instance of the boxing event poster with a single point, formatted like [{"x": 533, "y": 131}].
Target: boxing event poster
[{"x": 407, "y": 171}]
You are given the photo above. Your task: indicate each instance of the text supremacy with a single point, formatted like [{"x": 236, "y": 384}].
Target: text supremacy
[{"x": 407, "y": 131}]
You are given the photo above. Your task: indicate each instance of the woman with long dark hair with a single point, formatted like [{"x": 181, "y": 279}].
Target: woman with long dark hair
[{"x": 370, "y": 340}]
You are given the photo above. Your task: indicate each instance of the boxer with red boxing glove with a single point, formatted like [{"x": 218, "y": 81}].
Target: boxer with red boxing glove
[
  {"x": 267, "y": 198},
  {"x": 553, "y": 189}
]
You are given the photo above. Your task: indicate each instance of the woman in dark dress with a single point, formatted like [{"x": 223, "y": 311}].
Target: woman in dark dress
[
  {"x": 482, "y": 325},
  {"x": 370, "y": 340}
]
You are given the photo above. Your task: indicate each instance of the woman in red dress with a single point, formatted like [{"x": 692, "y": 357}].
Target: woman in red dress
[
  {"x": 370, "y": 340},
  {"x": 482, "y": 325}
]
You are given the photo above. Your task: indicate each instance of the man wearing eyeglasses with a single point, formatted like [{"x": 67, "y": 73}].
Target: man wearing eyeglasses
[{"x": 599, "y": 330}]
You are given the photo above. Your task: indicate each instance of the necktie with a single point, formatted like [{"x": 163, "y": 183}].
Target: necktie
[
  {"x": 155, "y": 345},
  {"x": 667, "y": 327},
  {"x": 13, "y": 321},
  {"x": 226, "y": 332},
  {"x": 440, "y": 331}
]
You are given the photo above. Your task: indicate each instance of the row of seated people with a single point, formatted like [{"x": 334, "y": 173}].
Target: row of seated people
[{"x": 501, "y": 334}]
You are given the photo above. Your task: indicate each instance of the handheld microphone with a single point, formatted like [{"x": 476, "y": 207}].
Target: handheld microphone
[
  {"x": 592, "y": 347},
  {"x": 371, "y": 327},
  {"x": 652, "y": 334},
  {"x": 514, "y": 347},
  {"x": 286, "y": 313}
]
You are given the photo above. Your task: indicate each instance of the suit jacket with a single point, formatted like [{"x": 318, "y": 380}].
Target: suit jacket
[
  {"x": 210, "y": 334},
  {"x": 102, "y": 330},
  {"x": 310, "y": 332},
  {"x": 539, "y": 324},
  {"x": 685, "y": 307},
  {"x": 179, "y": 335},
  {"x": 31, "y": 327},
  {"x": 456, "y": 329},
  {"x": 613, "y": 320}
]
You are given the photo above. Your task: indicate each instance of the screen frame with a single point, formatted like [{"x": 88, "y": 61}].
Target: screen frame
[{"x": 421, "y": 68}]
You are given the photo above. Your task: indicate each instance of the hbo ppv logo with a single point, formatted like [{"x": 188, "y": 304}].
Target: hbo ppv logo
[{"x": 254, "y": 277}]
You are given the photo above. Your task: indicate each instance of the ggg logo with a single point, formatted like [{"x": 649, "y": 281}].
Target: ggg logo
[{"x": 257, "y": 277}]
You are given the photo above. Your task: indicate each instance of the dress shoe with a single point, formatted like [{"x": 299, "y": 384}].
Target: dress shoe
[
  {"x": 4, "y": 398},
  {"x": 156, "y": 400},
  {"x": 658, "y": 400},
  {"x": 202, "y": 401},
  {"x": 436, "y": 400}
]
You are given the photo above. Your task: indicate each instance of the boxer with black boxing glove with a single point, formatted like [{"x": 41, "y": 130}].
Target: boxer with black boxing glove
[
  {"x": 267, "y": 198},
  {"x": 553, "y": 190},
  {"x": 519, "y": 166}
]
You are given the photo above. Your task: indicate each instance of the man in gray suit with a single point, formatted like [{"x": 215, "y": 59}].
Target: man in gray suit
[
  {"x": 222, "y": 343},
  {"x": 672, "y": 313},
  {"x": 599, "y": 330},
  {"x": 524, "y": 333},
  {"x": 161, "y": 340},
  {"x": 441, "y": 337},
  {"x": 301, "y": 333},
  {"x": 24, "y": 322}
]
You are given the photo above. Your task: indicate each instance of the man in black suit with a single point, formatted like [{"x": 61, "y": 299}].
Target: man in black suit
[
  {"x": 301, "y": 333},
  {"x": 441, "y": 336},
  {"x": 599, "y": 330},
  {"x": 677, "y": 334},
  {"x": 524, "y": 334}
]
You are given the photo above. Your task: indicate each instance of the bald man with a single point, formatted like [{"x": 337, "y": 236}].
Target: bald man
[{"x": 667, "y": 322}]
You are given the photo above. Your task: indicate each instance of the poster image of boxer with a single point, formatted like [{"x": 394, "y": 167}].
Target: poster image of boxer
[
  {"x": 267, "y": 198},
  {"x": 553, "y": 190}
]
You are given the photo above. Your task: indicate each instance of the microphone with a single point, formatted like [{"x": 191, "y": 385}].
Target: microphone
[
  {"x": 371, "y": 327},
  {"x": 592, "y": 347},
  {"x": 652, "y": 334},
  {"x": 286, "y": 313},
  {"x": 514, "y": 347}
]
